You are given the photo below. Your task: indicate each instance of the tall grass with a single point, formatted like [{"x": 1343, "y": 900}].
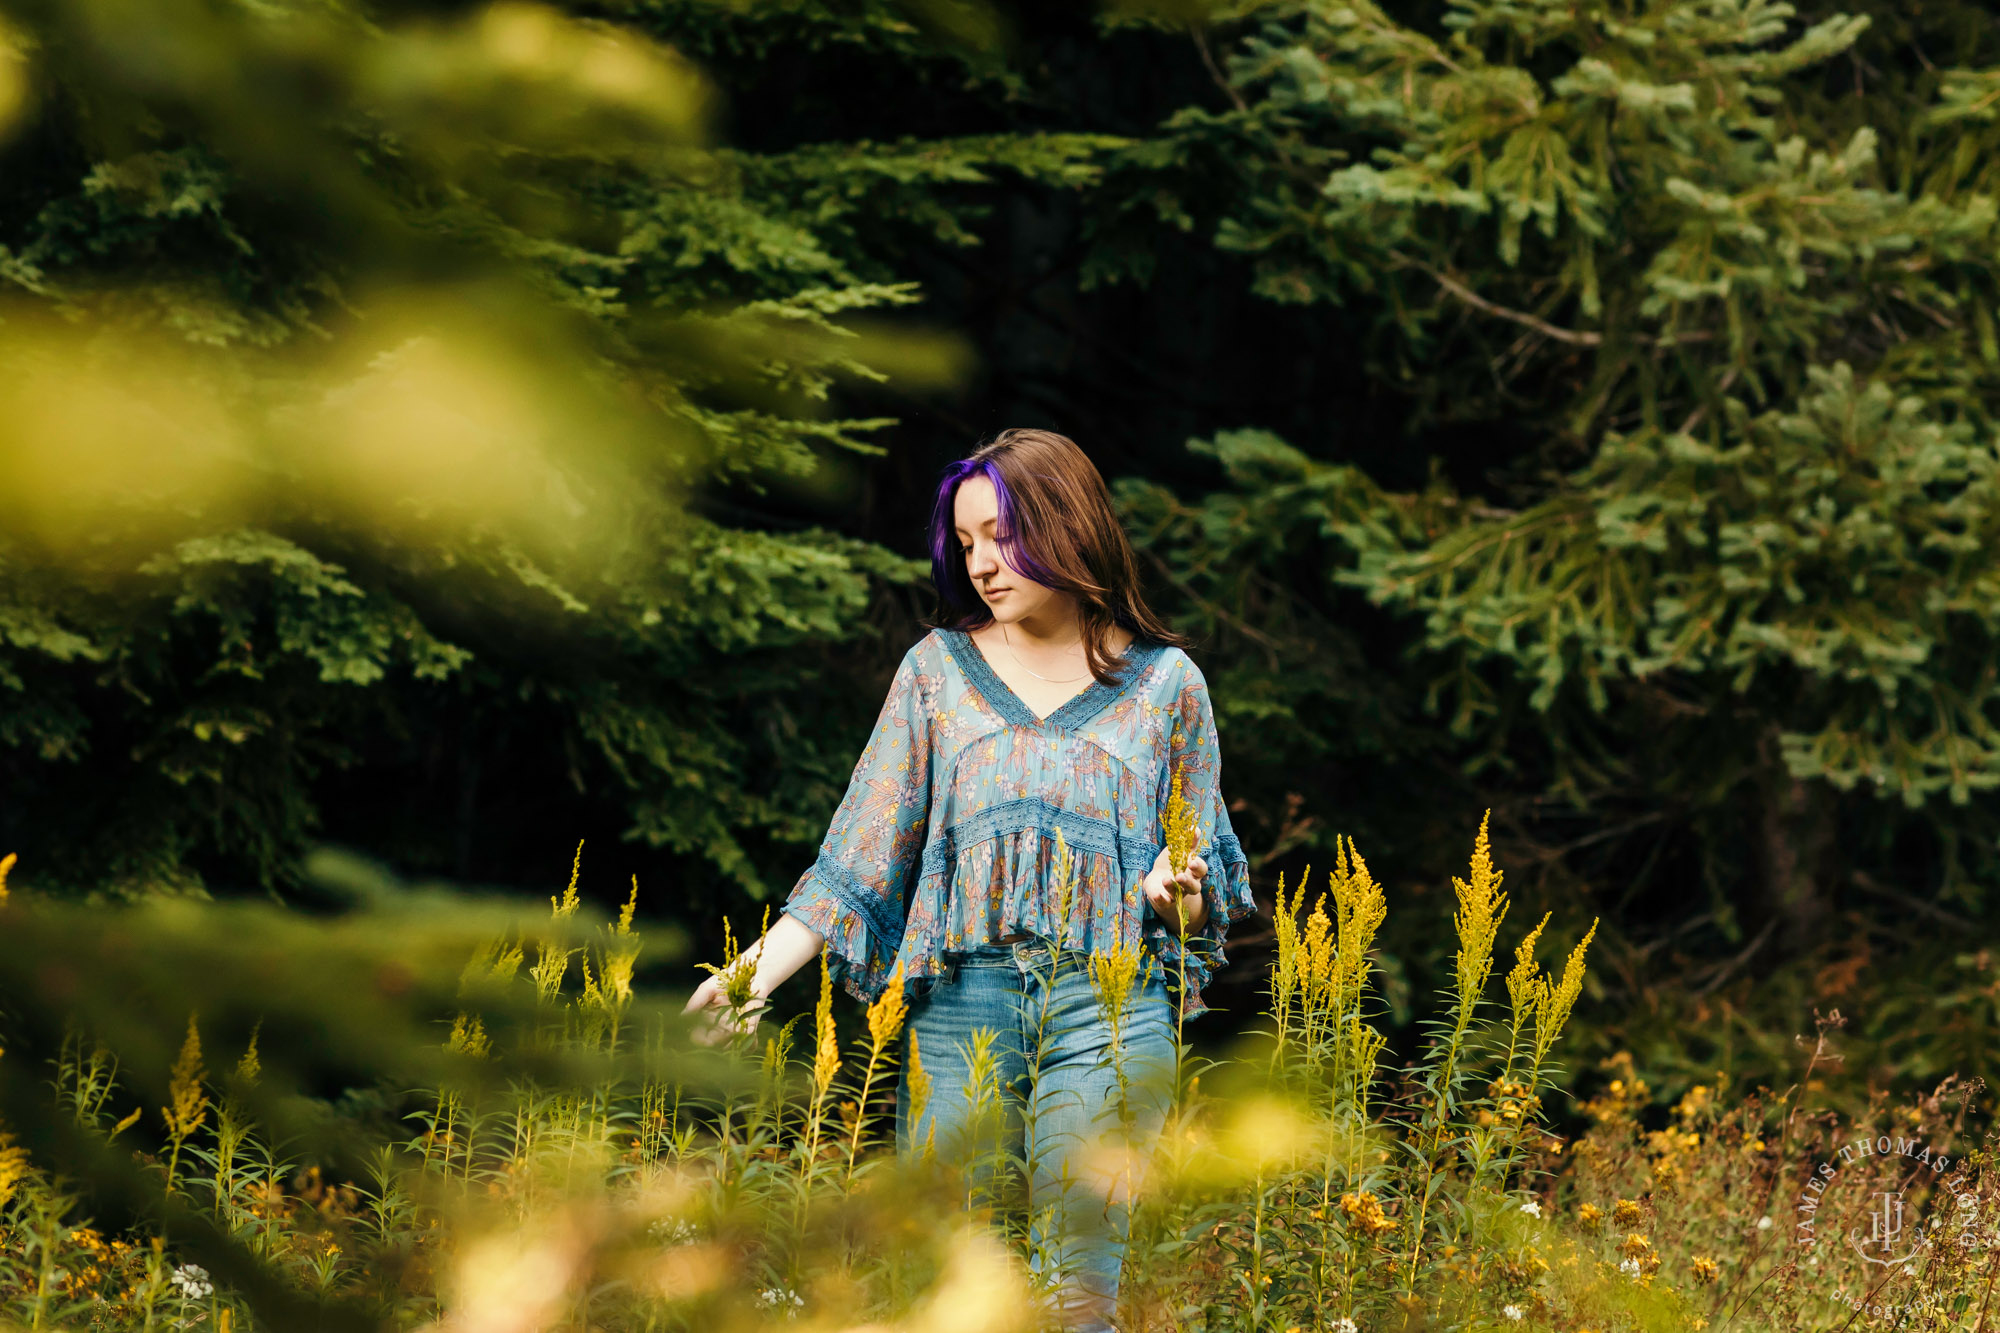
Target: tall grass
[{"x": 1295, "y": 1185}]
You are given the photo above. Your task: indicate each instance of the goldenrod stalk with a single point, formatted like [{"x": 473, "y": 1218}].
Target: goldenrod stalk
[
  {"x": 1178, "y": 824},
  {"x": 885, "y": 1024},
  {"x": 232, "y": 1127},
  {"x": 1553, "y": 1001},
  {"x": 1285, "y": 969},
  {"x": 1112, "y": 976},
  {"x": 1481, "y": 908},
  {"x": 920, "y": 1099},
  {"x": 986, "y": 1115},
  {"x": 826, "y": 1063},
  {"x": 187, "y": 1108}
]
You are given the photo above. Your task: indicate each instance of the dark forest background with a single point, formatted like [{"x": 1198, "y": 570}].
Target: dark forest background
[{"x": 1580, "y": 411}]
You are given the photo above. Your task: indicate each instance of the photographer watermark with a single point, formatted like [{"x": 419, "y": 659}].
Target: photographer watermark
[{"x": 1881, "y": 1235}]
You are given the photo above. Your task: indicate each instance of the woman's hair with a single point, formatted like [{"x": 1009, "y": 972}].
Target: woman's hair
[{"x": 1057, "y": 528}]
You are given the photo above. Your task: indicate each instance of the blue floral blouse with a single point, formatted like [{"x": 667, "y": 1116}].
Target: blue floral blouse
[{"x": 945, "y": 839}]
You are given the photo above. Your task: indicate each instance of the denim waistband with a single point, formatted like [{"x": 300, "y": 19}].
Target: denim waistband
[
  {"x": 1033, "y": 951},
  {"x": 993, "y": 955}
]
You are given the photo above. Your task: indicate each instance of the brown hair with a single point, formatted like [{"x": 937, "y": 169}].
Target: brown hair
[{"x": 1058, "y": 528}]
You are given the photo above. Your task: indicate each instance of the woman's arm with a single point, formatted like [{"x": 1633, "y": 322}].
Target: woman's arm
[
  {"x": 851, "y": 902},
  {"x": 1223, "y": 881}
]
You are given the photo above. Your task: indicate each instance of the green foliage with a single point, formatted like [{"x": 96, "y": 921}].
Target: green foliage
[
  {"x": 611, "y": 318},
  {"x": 1730, "y": 326}
]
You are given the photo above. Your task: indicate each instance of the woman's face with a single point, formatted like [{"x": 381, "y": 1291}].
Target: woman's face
[{"x": 1009, "y": 594}]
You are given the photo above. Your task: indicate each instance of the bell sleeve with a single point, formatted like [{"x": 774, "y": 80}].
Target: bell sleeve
[
  {"x": 854, "y": 895},
  {"x": 1194, "y": 754}
]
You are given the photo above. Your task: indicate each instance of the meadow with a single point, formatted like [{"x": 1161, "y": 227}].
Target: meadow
[{"x": 578, "y": 1163}]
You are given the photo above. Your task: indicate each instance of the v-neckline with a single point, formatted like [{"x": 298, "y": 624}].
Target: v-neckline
[{"x": 1072, "y": 712}]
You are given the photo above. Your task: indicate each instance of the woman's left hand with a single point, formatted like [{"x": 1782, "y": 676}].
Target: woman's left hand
[{"x": 1178, "y": 899}]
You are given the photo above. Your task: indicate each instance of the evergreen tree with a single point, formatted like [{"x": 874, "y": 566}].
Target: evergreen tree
[{"x": 1715, "y": 283}]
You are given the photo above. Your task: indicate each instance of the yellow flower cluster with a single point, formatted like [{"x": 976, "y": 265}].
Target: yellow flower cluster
[
  {"x": 1112, "y": 976},
  {"x": 826, "y": 1054},
  {"x": 1364, "y": 1210},
  {"x": 189, "y": 1108},
  {"x": 1705, "y": 1269},
  {"x": 1694, "y": 1102},
  {"x": 13, "y": 1166},
  {"x": 886, "y": 1015},
  {"x": 1178, "y": 826},
  {"x": 1666, "y": 1142},
  {"x": 553, "y": 962},
  {"x": 1622, "y": 1097},
  {"x": 1523, "y": 1266},
  {"x": 1514, "y": 1100},
  {"x": 1481, "y": 909},
  {"x": 1668, "y": 1147},
  {"x": 468, "y": 1037},
  {"x": 1320, "y": 976}
]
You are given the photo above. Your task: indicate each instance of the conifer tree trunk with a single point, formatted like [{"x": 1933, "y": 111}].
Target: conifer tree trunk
[{"x": 1795, "y": 849}]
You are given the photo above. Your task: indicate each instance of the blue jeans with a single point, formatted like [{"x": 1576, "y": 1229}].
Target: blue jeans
[{"x": 1050, "y": 1052}]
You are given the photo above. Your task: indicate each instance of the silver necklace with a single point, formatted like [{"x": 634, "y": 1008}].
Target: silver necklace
[{"x": 1030, "y": 670}]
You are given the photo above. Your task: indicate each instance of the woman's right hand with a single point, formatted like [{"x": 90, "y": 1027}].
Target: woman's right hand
[
  {"x": 783, "y": 950},
  {"x": 717, "y": 1023}
]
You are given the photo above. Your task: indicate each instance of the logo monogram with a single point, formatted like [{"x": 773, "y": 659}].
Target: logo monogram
[{"x": 1885, "y": 1228}]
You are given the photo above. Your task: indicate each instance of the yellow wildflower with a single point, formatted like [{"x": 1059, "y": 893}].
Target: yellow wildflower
[
  {"x": 1364, "y": 1210},
  {"x": 468, "y": 1037},
  {"x": 1553, "y": 1001},
  {"x": 13, "y": 1167},
  {"x": 886, "y": 1015},
  {"x": 250, "y": 1068},
  {"x": 1522, "y": 992},
  {"x": 1359, "y": 908},
  {"x": 6, "y": 864},
  {"x": 565, "y": 907},
  {"x": 1705, "y": 1269},
  {"x": 1481, "y": 908},
  {"x": 1627, "y": 1213},
  {"x": 1112, "y": 975},
  {"x": 826, "y": 1057},
  {"x": 1178, "y": 827},
  {"x": 920, "y": 1084},
  {"x": 1590, "y": 1214},
  {"x": 190, "y": 1103}
]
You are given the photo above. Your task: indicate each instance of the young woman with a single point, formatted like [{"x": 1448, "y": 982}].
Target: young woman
[{"x": 1049, "y": 696}]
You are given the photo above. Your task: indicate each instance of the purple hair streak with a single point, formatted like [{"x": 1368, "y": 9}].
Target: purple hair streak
[{"x": 955, "y": 589}]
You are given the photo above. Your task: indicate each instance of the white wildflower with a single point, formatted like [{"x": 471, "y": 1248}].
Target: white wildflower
[
  {"x": 1345, "y": 1325},
  {"x": 1513, "y": 1312},
  {"x": 191, "y": 1281},
  {"x": 672, "y": 1231},
  {"x": 778, "y": 1298},
  {"x": 1629, "y": 1267},
  {"x": 1532, "y": 1208},
  {"x": 1763, "y": 1224}
]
